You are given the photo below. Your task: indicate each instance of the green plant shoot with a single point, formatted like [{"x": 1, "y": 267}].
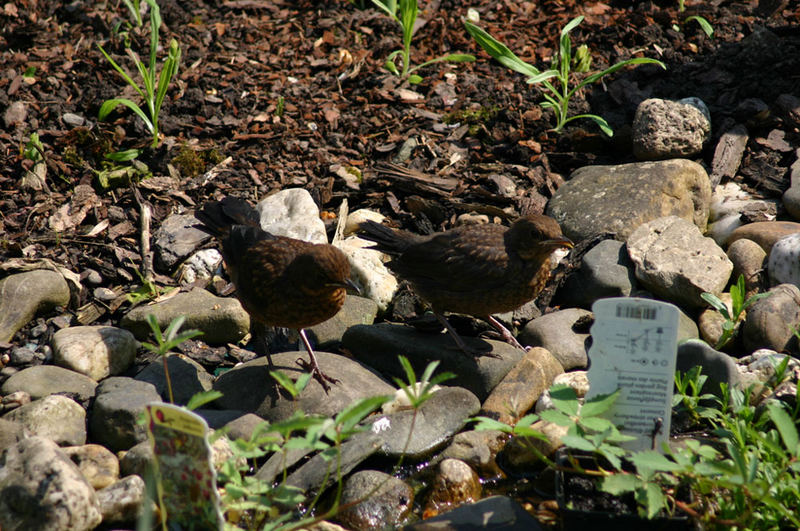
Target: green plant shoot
[
  {"x": 154, "y": 86},
  {"x": 557, "y": 94},
  {"x": 404, "y": 13},
  {"x": 167, "y": 341},
  {"x": 738, "y": 306}
]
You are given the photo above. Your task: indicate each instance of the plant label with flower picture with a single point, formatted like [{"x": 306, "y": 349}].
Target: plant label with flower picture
[
  {"x": 186, "y": 481},
  {"x": 634, "y": 346}
]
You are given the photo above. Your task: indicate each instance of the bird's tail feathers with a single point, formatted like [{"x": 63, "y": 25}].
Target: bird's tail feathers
[
  {"x": 388, "y": 240},
  {"x": 217, "y": 217}
]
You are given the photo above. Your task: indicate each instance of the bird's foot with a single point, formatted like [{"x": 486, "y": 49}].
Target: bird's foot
[
  {"x": 504, "y": 332},
  {"x": 316, "y": 372}
]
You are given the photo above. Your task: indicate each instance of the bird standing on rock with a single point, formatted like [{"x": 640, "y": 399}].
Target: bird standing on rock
[
  {"x": 477, "y": 270},
  {"x": 280, "y": 281}
]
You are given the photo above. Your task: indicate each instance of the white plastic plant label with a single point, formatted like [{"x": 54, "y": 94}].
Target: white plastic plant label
[{"x": 634, "y": 345}]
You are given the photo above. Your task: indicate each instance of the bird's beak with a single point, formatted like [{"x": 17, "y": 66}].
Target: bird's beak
[
  {"x": 347, "y": 283},
  {"x": 559, "y": 242}
]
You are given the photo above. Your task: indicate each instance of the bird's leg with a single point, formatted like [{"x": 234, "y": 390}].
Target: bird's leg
[
  {"x": 504, "y": 332},
  {"x": 312, "y": 366},
  {"x": 259, "y": 333},
  {"x": 459, "y": 341}
]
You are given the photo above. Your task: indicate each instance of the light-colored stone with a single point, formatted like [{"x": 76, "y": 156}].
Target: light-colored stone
[
  {"x": 221, "y": 319},
  {"x": 522, "y": 386},
  {"x": 455, "y": 484},
  {"x": 748, "y": 261},
  {"x": 54, "y": 417},
  {"x": 360, "y": 216},
  {"x": 122, "y": 502},
  {"x": 97, "y": 464},
  {"x": 23, "y": 295},
  {"x": 368, "y": 271},
  {"x": 618, "y": 199},
  {"x": 292, "y": 212},
  {"x": 783, "y": 263},
  {"x": 42, "y": 490},
  {"x": 664, "y": 129},
  {"x": 176, "y": 239},
  {"x": 43, "y": 380},
  {"x": 95, "y": 351},
  {"x": 675, "y": 261}
]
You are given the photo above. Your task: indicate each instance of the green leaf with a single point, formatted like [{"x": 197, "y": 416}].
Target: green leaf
[
  {"x": 599, "y": 404},
  {"x": 635, "y": 61},
  {"x": 618, "y": 484},
  {"x": 123, "y": 156},
  {"x": 786, "y": 427},
  {"x": 459, "y": 58},
  {"x": 705, "y": 25},
  {"x": 557, "y": 417},
  {"x": 653, "y": 460},
  {"x": 486, "y": 423},
  {"x": 499, "y": 51},
  {"x": 564, "y": 399},
  {"x": 110, "y": 105},
  {"x": 542, "y": 76},
  {"x": 579, "y": 443},
  {"x": 652, "y": 498},
  {"x": 597, "y": 423},
  {"x": 285, "y": 382},
  {"x": 358, "y": 411},
  {"x": 202, "y": 398},
  {"x": 716, "y": 303}
]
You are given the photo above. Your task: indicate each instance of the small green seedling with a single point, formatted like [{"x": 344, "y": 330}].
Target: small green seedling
[
  {"x": 405, "y": 13},
  {"x": 155, "y": 84},
  {"x": 738, "y": 304},
  {"x": 705, "y": 25},
  {"x": 167, "y": 341},
  {"x": 557, "y": 95}
]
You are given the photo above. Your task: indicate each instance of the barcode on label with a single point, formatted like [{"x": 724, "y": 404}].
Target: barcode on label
[{"x": 629, "y": 311}]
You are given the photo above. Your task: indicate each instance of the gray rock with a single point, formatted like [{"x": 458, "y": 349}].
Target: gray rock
[
  {"x": 42, "y": 490},
  {"x": 522, "y": 386},
  {"x": 783, "y": 263},
  {"x": 16, "y": 114},
  {"x": 136, "y": 460},
  {"x": 562, "y": 334},
  {"x": 759, "y": 367},
  {"x": 292, "y": 212},
  {"x": 356, "y": 310},
  {"x": 221, "y": 319},
  {"x": 122, "y": 502},
  {"x": 438, "y": 419},
  {"x": 771, "y": 320},
  {"x": 186, "y": 375},
  {"x": 378, "y": 346},
  {"x": 664, "y": 129},
  {"x": 478, "y": 449},
  {"x": 53, "y": 417},
  {"x": 718, "y": 366},
  {"x": 748, "y": 261},
  {"x": 618, "y": 199},
  {"x": 454, "y": 484},
  {"x": 243, "y": 426},
  {"x": 114, "y": 418},
  {"x": 675, "y": 261},
  {"x": 96, "y": 351},
  {"x": 11, "y": 433},
  {"x": 493, "y": 513},
  {"x": 96, "y": 463},
  {"x": 605, "y": 271},
  {"x": 320, "y": 471},
  {"x": 765, "y": 233},
  {"x": 249, "y": 387},
  {"x": 43, "y": 380},
  {"x": 176, "y": 239},
  {"x": 374, "y": 500},
  {"x": 23, "y": 295},
  {"x": 217, "y": 418},
  {"x": 791, "y": 201}
]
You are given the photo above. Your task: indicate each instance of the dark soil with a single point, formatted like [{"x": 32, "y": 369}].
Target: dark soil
[{"x": 274, "y": 94}]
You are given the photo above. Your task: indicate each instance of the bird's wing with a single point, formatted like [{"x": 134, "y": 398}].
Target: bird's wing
[{"x": 463, "y": 260}]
